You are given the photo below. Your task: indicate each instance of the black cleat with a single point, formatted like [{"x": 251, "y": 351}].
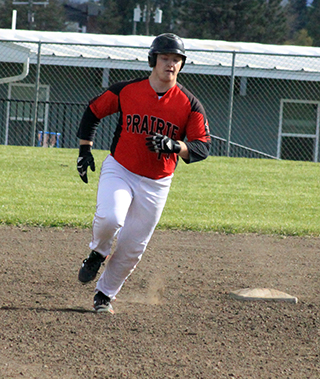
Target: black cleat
[
  {"x": 90, "y": 267},
  {"x": 101, "y": 303}
]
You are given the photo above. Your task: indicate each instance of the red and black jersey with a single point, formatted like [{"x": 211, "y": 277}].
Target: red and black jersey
[{"x": 177, "y": 114}]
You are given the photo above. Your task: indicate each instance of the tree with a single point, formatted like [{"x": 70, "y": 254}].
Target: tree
[
  {"x": 110, "y": 21},
  {"x": 301, "y": 38},
  {"x": 43, "y": 16},
  {"x": 236, "y": 20},
  {"x": 297, "y": 14},
  {"x": 45, "y": 21},
  {"x": 171, "y": 18},
  {"x": 275, "y": 23},
  {"x": 313, "y": 22},
  {"x": 117, "y": 17}
]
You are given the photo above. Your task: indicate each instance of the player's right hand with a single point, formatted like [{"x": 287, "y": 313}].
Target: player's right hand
[
  {"x": 159, "y": 143},
  {"x": 84, "y": 160}
]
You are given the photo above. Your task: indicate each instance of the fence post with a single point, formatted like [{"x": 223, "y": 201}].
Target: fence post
[
  {"x": 316, "y": 154},
  {"x": 230, "y": 110},
  {"x": 36, "y": 98}
]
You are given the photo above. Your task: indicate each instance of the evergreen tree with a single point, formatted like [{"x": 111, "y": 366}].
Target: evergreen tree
[
  {"x": 39, "y": 17},
  {"x": 125, "y": 11},
  {"x": 171, "y": 17},
  {"x": 313, "y": 22},
  {"x": 110, "y": 21},
  {"x": 43, "y": 16},
  {"x": 275, "y": 23},
  {"x": 297, "y": 12},
  {"x": 236, "y": 20},
  {"x": 117, "y": 17},
  {"x": 301, "y": 38}
]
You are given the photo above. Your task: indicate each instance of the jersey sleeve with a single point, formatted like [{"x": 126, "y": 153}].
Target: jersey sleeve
[
  {"x": 198, "y": 134},
  {"x": 107, "y": 103},
  {"x": 99, "y": 107}
]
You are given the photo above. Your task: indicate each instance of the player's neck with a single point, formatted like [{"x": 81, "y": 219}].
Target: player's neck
[{"x": 160, "y": 86}]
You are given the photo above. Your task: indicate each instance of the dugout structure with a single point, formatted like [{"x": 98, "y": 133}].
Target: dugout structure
[{"x": 261, "y": 100}]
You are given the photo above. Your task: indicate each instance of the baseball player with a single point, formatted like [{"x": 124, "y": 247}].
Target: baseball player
[{"x": 159, "y": 121}]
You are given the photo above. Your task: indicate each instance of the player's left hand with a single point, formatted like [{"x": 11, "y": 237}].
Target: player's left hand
[{"x": 159, "y": 143}]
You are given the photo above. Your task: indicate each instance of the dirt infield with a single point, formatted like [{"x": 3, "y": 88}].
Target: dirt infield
[{"x": 174, "y": 317}]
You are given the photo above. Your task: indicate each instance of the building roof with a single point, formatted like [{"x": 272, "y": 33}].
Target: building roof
[{"x": 203, "y": 56}]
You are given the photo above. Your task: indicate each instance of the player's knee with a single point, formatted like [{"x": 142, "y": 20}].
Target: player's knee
[{"x": 107, "y": 222}]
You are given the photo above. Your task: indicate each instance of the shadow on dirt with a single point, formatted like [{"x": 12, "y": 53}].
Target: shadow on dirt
[{"x": 63, "y": 310}]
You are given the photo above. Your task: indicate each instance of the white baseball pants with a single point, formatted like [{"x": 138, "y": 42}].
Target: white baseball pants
[{"x": 129, "y": 206}]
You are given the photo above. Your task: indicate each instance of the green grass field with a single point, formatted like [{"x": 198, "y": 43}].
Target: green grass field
[{"x": 41, "y": 187}]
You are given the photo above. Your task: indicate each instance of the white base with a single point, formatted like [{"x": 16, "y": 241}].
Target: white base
[{"x": 266, "y": 294}]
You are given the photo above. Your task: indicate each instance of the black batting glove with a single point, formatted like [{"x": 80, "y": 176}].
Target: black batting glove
[
  {"x": 85, "y": 159},
  {"x": 159, "y": 143}
]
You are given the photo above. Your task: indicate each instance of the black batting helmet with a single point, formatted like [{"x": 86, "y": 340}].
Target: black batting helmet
[{"x": 166, "y": 43}]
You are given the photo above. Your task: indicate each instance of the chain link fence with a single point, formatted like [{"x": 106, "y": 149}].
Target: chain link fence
[{"x": 258, "y": 105}]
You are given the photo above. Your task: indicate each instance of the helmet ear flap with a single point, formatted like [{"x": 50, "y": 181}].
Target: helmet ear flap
[
  {"x": 183, "y": 63},
  {"x": 152, "y": 58}
]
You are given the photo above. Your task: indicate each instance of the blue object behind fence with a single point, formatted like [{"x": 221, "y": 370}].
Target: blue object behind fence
[{"x": 49, "y": 139}]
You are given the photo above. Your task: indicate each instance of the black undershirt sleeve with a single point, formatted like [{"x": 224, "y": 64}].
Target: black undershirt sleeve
[
  {"x": 198, "y": 151},
  {"x": 88, "y": 125}
]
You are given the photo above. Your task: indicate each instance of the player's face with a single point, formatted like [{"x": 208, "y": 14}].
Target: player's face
[{"x": 168, "y": 66}]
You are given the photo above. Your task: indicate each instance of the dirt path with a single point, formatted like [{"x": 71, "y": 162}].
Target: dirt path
[{"x": 174, "y": 317}]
